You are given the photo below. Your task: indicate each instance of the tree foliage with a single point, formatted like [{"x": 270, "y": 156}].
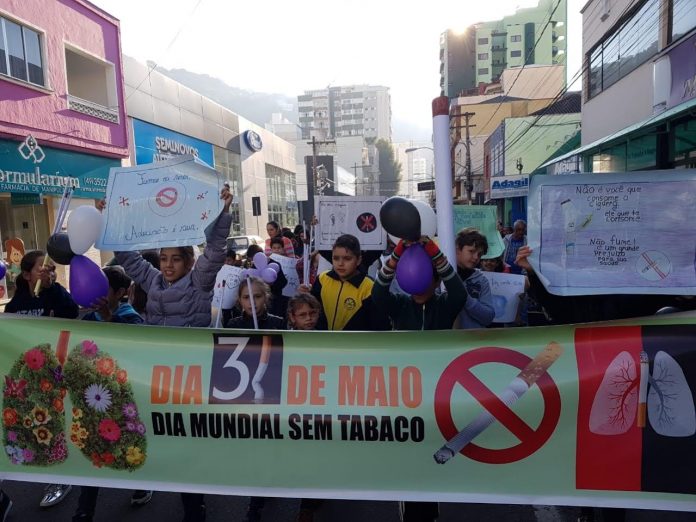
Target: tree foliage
[{"x": 389, "y": 169}]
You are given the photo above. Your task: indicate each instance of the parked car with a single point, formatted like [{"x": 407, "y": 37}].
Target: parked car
[{"x": 239, "y": 244}]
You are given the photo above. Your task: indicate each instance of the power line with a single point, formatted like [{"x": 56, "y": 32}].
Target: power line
[{"x": 166, "y": 50}]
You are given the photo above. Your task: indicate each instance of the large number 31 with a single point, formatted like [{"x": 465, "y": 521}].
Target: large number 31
[{"x": 234, "y": 363}]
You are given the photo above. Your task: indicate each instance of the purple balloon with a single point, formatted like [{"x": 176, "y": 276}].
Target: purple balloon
[
  {"x": 87, "y": 281},
  {"x": 274, "y": 266},
  {"x": 3, "y": 269},
  {"x": 414, "y": 273},
  {"x": 269, "y": 275},
  {"x": 260, "y": 260}
]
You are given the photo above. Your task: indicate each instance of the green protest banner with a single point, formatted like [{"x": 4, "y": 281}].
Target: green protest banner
[
  {"x": 483, "y": 218},
  {"x": 599, "y": 414}
]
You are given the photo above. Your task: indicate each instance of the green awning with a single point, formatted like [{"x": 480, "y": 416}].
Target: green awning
[{"x": 652, "y": 121}]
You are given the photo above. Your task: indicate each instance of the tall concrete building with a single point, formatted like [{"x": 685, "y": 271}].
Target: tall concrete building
[
  {"x": 535, "y": 35},
  {"x": 352, "y": 110}
]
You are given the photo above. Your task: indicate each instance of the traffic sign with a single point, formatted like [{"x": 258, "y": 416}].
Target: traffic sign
[{"x": 531, "y": 439}]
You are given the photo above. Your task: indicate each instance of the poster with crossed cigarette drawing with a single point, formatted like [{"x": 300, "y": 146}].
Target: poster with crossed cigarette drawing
[
  {"x": 163, "y": 204},
  {"x": 614, "y": 233},
  {"x": 356, "y": 215}
]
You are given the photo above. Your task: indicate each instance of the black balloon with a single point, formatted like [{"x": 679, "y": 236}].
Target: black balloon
[
  {"x": 400, "y": 218},
  {"x": 58, "y": 248}
]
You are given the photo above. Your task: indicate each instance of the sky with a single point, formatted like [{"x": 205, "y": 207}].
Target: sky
[{"x": 287, "y": 47}]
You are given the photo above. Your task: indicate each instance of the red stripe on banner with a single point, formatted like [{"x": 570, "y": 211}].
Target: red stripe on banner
[{"x": 608, "y": 457}]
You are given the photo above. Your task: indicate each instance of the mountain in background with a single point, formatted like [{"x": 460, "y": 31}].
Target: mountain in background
[
  {"x": 254, "y": 106},
  {"x": 259, "y": 106}
]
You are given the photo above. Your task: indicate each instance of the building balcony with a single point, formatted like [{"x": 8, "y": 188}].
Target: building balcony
[{"x": 92, "y": 109}]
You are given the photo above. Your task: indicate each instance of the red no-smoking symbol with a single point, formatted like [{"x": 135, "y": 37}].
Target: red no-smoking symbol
[
  {"x": 167, "y": 197},
  {"x": 531, "y": 439}
]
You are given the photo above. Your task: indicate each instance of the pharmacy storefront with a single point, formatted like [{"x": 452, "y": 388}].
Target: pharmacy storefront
[{"x": 31, "y": 185}]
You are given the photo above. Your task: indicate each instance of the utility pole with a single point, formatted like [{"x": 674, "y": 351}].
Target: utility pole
[
  {"x": 469, "y": 184},
  {"x": 355, "y": 168}
]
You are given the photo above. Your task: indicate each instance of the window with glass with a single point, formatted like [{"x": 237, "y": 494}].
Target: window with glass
[
  {"x": 483, "y": 56},
  {"x": 516, "y": 38},
  {"x": 483, "y": 41},
  {"x": 515, "y": 54},
  {"x": 683, "y": 18},
  {"x": 483, "y": 70},
  {"x": 282, "y": 196},
  {"x": 632, "y": 44},
  {"x": 20, "y": 53}
]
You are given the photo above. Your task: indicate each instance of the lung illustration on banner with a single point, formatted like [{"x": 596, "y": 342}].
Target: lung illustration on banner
[
  {"x": 157, "y": 205},
  {"x": 636, "y": 415}
]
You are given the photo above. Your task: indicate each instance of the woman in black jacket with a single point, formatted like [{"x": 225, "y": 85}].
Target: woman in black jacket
[{"x": 52, "y": 300}]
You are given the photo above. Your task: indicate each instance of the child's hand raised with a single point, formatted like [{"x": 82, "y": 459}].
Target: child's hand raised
[{"x": 226, "y": 196}]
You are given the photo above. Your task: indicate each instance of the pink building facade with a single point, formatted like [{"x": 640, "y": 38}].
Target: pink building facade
[{"x": 61, "y": 82}]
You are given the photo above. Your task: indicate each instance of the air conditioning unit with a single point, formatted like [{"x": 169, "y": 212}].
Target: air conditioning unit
[{"x": 662, "y": 83}]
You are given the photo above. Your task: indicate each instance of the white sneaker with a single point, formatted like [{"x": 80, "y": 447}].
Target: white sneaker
[{"x": 54, "y": 494}]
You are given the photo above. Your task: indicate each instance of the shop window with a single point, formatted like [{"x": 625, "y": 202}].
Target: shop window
[
  {"x": 683, "y": 17},
  {"x": 632, "y": 44},
  {"x": 91, "y": 85},
  {"x": 684, "y": 143},
  {"x": 20, "y": 52}
]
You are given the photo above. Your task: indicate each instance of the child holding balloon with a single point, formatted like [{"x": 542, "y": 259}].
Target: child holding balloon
[{"x": 424, "y": 310}]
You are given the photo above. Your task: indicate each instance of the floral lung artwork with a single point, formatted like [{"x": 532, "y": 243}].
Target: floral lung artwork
[
  {"x": 33, "y": 413},
  {"x": 105, "y": 422},
  {"x": 106, "y": 426}
]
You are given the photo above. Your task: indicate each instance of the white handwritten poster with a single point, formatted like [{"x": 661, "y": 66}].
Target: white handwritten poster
[
  {"x": 506, "y": 290},
  {"x": 289, "y": 266},
  {"x": 626, "y": 233},
  {"x": 356, "y": 215},
  {"x": 164, "y": 204},
  {"x": 226, "y": 288}
]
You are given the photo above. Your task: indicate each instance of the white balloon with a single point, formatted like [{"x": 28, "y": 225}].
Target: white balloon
[
  {"x": 427, "y": 217},
  {"x": 393, "y": 239},
  {"x": 84, "y": 227}
]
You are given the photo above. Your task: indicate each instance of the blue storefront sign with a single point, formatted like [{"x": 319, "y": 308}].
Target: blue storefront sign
[
  {"x": 59, "y": 168},
  {"x": 154, "y": 143}
]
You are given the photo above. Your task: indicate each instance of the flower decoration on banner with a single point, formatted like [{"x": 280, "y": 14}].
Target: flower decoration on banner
[
  {"x": 106, "y": 425},
  {"x": 32, "y": 410}
]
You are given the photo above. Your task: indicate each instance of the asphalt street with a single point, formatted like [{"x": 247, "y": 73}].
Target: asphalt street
[{"x": 114, "y": 506}]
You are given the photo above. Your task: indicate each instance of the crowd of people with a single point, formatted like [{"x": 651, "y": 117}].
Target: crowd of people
[{"x": 174, "y": 288}]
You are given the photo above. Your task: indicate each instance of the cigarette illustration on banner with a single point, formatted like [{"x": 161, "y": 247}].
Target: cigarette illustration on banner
[{"x": 509, "y": 396}]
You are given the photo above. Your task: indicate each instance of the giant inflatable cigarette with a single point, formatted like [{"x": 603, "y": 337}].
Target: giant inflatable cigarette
[
  {"x": 510, "y": 395},
  {"x": 443, "y": 177}
]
